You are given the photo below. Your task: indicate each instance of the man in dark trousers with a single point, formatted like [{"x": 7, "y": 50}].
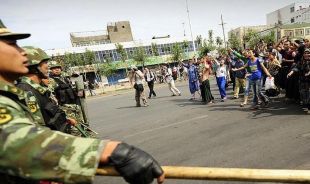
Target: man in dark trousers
[{"x": 150, "y": 78}]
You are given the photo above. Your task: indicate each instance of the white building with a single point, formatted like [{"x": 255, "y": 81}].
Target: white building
[
  {"x": 164, "y": 47},
  {"x": 293, "y": 13}
]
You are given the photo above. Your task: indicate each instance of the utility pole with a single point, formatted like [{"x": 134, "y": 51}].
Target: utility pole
[
  {"x": 222, "y": 24},
  {"x": 190, "y": 27},
  {"x": 183, "y": 29}
]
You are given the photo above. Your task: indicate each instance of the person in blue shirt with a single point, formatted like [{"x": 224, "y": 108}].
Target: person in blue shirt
[{"x": 256, "y": 68}]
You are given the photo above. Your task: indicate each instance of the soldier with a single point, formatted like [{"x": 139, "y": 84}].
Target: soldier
[
  {"x": 30, "y": 152},
  {"x": 64, "y": 91},
  {"x": 53, "y": 116},
  {"x": 72, "y": 111},
  {"x": 69, "y": 98}
]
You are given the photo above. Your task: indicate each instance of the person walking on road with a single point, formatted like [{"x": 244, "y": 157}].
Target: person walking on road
[
  {"x": 206, "y": 70},
  {"x": 137, "y": 77},
  {"x": 150, "y": 79},
  {"x": 193, "y": 78},
  {"x": 167, "y": 73}
]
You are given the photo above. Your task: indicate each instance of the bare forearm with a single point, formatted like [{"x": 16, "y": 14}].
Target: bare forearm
[{"x": 108, "y": 150}]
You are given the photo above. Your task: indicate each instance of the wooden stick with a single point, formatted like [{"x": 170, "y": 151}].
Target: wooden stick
[{"x": 228, "y": 174}]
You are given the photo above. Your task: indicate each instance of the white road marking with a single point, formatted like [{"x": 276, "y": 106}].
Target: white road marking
[{"x": 166, "y": 126}]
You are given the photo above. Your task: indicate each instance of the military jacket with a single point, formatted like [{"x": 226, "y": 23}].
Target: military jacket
[
  {"x": 29, "y": 151},
  {"x": 65, "y": 94},
  {"x": 32, "y": 102}
]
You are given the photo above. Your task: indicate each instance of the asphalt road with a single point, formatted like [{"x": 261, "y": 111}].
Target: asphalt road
[{"x": 179, "y": 132}]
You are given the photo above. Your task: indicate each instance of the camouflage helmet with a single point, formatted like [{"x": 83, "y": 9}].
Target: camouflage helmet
[
  {"x": 35, "y": 55},
  {"x": 6, "y": 33},
  {"x": 54, "y": 64}
]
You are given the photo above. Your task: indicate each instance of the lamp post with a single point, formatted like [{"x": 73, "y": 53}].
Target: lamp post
[{"x": 190, "y": 27}]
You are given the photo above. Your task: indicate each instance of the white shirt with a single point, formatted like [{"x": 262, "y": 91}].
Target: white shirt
[
  {"x": 221, "y": 71},
  {"x": 149, "y": 76}
]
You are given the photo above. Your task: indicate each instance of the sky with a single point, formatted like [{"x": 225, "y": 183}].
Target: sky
[{"x": 51, "y": 21}]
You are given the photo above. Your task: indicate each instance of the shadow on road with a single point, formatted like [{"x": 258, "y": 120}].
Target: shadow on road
[
  {"x": 275, "y": 108},
  {"x": 186, "y": 102},
  {"x": 127, "y": 107}
]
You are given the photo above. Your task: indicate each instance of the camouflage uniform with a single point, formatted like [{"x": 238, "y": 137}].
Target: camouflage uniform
[
  {"x": 51, "y": 87},
  {"x": 34, "y": 107},
  {"x": 34, "y": 153},
  {"x": 72, "y": 110}
]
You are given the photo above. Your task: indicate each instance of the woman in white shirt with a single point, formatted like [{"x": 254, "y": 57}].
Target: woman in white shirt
[{"x": 221, "y": 74}]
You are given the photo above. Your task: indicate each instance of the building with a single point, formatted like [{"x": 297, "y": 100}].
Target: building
[
  {"x": 115, "y": 32},
  {"x": 106, "y": 51},
  {"x": 119, "y": 32},
  {"x": 295, "y": 31},
  {"x": 240, "y": 32},
  {"x": 293, "y": 13}
]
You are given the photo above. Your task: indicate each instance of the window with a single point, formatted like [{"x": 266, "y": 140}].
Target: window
[
  {"x": 292, "y": 20},
  {"x": 289, "y": 33},
  {"x": 299, "y": 32},
  {"x": 292, "y": 9},
  {"x": 307, "y": 31}
]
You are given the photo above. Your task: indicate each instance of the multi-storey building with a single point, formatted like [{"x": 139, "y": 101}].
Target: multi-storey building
[{"x": 293, "y": 13}]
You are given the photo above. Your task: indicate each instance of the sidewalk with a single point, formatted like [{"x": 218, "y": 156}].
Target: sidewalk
[{"x": 119, "y": 89}]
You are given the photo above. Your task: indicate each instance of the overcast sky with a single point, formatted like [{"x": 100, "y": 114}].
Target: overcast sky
[{"x": 51, "y": 21}]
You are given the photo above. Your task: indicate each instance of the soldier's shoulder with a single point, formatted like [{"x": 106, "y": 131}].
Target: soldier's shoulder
[
  {"x": 9, "y": 110},
  {"x": 8, "y": 102}
]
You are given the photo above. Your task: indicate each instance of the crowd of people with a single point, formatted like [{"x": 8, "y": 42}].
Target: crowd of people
[{"x": 263, "y": 72}]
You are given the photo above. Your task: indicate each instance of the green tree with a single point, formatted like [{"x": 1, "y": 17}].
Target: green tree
[
  {"x": 107, "y": 69},
  {"x": 218, "y": 41},
  {"x": 69, "y": 59},
  {"x": 251, "y": 38},
  {"x": 199, "y": 40},
  {"x": 210, "y": 38},
  {"x": 222, "y": 51},
  {"x": 185, "y": 46},
  {"x": 122, "y": 52},
  {"x": 234, "y": 42},
  {"x": 140, "y": 56},
  {"x": 89, "y": 57},
  {"x": 167, "y": 49},
  {"x": 154, "y": 49},
  {"x": 204, "y": 50},
  {"x": 177, "y": 52},
  {"x": 269, "y": 38}
]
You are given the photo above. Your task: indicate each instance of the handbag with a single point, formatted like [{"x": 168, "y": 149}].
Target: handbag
[{"x": 138, "y": 87}]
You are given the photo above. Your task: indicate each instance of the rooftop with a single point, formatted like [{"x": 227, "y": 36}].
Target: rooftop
[{"x": 111, "y": 46}]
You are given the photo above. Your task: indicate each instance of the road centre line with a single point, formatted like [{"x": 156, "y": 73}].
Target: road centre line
[{"x": 166, "y": 126}]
